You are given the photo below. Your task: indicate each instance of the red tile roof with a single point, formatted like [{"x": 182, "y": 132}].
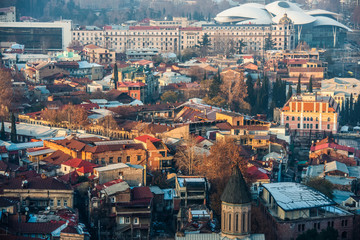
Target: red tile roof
[
  {"x": 57, "y": 158},
  {"x": 144, "y": 138},
  {"x": 85, "y": 166},
  {"x": 256, "y": 173}
]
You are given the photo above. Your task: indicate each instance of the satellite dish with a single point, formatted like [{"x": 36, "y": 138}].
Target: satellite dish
[
  {"x": 27, "y": 209},
  {"x": 48, "y": 208}
]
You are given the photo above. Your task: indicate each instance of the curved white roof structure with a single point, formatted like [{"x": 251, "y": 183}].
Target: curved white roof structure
[
  {"x": 253, "y": 13},
  {"x": 321, "y": 12},
  {"x": 325, "y": 21},
  {"x": 246, "y": 12}
]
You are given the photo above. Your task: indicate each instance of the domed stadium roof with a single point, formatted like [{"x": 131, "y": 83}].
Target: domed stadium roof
[{"x": 253, "y": 13}]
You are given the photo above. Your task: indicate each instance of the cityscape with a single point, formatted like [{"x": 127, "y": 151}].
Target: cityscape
[{"x": 180, "y": 119}]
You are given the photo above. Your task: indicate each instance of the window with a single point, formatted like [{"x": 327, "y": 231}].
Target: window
[
  {"x": 329, "y": 119},
  {"x": 328, "y": 126},
  {"x": 58, "y": 203},
  {"x": 119, "y": 159},
  {"x": 298, "y": 118},
  {"x": 139, "y": 157},
  {"x": 317, "y": 126},
  {"x": 51, "y": 202},
  {"x": 293, "y": 118},
  {"x": 298, "y": 125},
  {"x": 344, "y": 235},
  {"x": 243, "y": 222},
  {"x": 229, "y": 221},
  {"x": 102, "y": 160},
  {"x": 127, "y": 158},
  {"x": 237, "y": 222},
  {"x": 136, "y": 220},
  {"x": 65, "y": 203},
  {"x": 65, "y": 169},
  {"x": 127, "y": 220},
  {"x": 304, "y": 125},
  {"x": 287, "y": 118},
  {"x": 111, "y": 159}
]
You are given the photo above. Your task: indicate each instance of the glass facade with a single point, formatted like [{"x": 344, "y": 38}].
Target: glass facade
[{"x": 33, "y": 38}]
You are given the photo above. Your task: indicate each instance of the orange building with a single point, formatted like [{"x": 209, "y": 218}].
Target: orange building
[
  {"x": 133, "y": 89},
  {"x": 309, "y": 112}
]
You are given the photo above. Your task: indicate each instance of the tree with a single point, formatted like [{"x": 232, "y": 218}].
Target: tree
[
  {"x": 204, "y": 45},
  {"x": 13, "y": 135},
  {"x": 269, "y": 43},
  {"x": 2, "y": 131},
  {"x": 115, "y": 76},
  {"x": 289, "y": 94},
  {"x": 298, "y": 88},
  {"x": 322, "y": 185},
  {"x": 170, "y": 96},
  {"x": 217, "y": 168},
  {"x": 233, "y": 88},
  {"x": 6, "y": 92},
  {"x": 310, "y": 85},
  {"x": 186, "y": 157},
  {"x": 189, "y": 53},
  {"x": 250, "y": 90},
  {"x": 214, "y": 88},
  {"x": 240, "y": 45}
]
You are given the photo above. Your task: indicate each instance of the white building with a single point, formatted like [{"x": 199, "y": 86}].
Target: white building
[
  {"x": 8, "y": 14},
  {"x": 169, "y": 77}
]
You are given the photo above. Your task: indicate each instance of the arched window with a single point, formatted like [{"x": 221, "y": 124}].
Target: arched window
[
  {"x": 308, "y": 118},
  {"x": 328, "y": 119},
  {"x": 224, "y": 221},
  {"x": 298, "y": 118},
  {"x": 287, "y": 118},
  {"x": 311, "y": 119},
  {"x": 344, "y": 235},
  {"x": 293, "y": 118}
]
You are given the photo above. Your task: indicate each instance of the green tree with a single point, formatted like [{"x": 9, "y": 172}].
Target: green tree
[
  {"x": 326, "y": 234},
  {"x": 290, "y": 93},
  {"x": 214, "y": 88},
  {"x": 322, "y": 185},
  {"x": 204, "y": 45},
  {"x": 310, "y": 85},
  {"x": 250, "y": 90},
  {"x": 116, "y": 76},
  {"x": 170, "y": 96},
  {"x": 13, "y": 136},
  {"x": 298, "y": 88},
  {"x": 240, "y": 45},
  {"x": 2, "y": 131},
  {"x": 269, "y": 43}
]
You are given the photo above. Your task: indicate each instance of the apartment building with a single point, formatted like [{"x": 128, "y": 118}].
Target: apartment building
[
  {"x": 310, "y": 112},
  {"x": 172, "y": 37}
]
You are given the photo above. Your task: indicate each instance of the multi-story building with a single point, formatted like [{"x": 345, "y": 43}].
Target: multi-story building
[
  {"x": 8, "y": 14},
  {"x": 38, "y": 36},
  {"x": 191, "y": 190},
  {"x": 293, "y": 208},
  {"x": 39, "y": 193},
  {"x": 309, "y": 112},
  {"x": 96, "y": 54},
  {"x": 341, "y": 89}
]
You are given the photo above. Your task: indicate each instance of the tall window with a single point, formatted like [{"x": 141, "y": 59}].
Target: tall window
[
  {"x": 243, "y": 222},
  {"x": 229, "y": 221},
  {"x": 237, "y": 222}
]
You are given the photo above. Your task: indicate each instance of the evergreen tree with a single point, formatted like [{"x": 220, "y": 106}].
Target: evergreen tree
[
  {"x": 310, "y": 85},
  {"x": 356, "y": 111},
  {"x": 265, "y": 95},
  {"x": 298, "y": 88},
  {"x": 2, "y": 131},
  {"x": 214, "y": 89},
  {"x": 351, "y": 109},
  {"x": 116, "y": 76},
  {"x": 13, "y": 135},
  {"x": 289, "y": 94},
  {"x": 250, "y": 90}
]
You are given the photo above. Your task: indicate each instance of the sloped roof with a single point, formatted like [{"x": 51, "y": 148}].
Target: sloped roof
[
  {"x": 336, "y": 166},
  {"x": 144, "y": 138},
  {"x": 236, "y": 190}
]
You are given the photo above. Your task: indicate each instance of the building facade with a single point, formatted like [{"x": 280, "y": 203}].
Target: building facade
[{"x": 310, "y": 112}]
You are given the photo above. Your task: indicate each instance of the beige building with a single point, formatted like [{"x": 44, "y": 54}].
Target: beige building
[
  {"x": 39, "y": 193},
  {"x": 96, "y": 54},
  {"x": 173, "y": 36},
  {"x": 8, "y": 14}
]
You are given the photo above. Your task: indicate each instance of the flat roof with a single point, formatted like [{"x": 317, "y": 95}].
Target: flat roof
[{"x": 295, "y": 196}]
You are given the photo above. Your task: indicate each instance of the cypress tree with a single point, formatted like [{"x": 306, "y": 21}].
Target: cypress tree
[
  {"x": 310, "y": 85},
  {"x": 289, "y": 94},
  {"x": 351, "y": 108},
  {"x": 2, "y": 131},
  {"x": 116, "y": 76},
  {"x": 13, "y": 129},
  {"x": 250, "y": 90},
  {"x": 298, "y": 88},
  {"x": 214, "y": 88},
  {"x": 265, "y": 94}
]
